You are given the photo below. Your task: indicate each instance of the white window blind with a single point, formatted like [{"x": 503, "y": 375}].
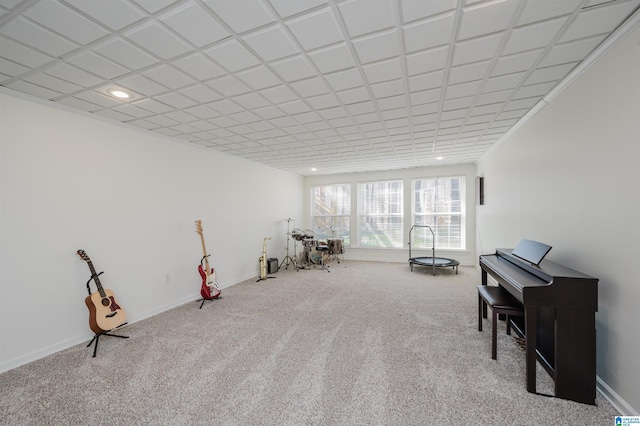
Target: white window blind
[
  {"x": 380, "y": 207},
  {"x": 331, "y": 211},
  {"x": 440, "y": 204}
]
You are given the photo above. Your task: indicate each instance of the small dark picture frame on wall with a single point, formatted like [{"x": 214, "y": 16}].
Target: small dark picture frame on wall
[{"x": 480, "y": 190}]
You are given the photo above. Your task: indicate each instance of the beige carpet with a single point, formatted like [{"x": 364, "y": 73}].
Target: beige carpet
[{"x": 367, "y": 343}]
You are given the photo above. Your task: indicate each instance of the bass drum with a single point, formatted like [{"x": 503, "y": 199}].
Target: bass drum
[{"x": 336, "y": 245}]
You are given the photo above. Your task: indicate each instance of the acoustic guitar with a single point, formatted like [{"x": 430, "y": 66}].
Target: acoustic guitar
[
  {"x": 209, "y": 288},
  {"x": 104, "y": 312}
]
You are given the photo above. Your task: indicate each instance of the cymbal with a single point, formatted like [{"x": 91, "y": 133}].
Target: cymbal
[{"x": 288, "y": 220}]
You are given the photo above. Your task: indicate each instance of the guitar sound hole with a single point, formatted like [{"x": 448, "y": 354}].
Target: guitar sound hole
[{"x": 105, "y": 301}]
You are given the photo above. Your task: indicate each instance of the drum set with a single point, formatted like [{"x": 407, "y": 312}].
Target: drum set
[{"x": 314, "y": 251}]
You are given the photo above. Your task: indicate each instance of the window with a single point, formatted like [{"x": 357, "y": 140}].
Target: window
[
  {"x": 331, "y": 210},
  {"x": 439, "y": 203},
  {"x": 380, "y": 217}
]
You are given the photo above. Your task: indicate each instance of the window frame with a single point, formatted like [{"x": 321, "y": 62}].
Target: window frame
[{"x": 397, "y": 240}]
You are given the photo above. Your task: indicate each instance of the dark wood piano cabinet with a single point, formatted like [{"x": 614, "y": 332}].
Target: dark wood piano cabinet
[{"x": 559, "y": 322}]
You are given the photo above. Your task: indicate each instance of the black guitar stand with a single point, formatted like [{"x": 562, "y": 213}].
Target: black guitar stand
[
  {"x": 96, "y": 337},
  {"x": 204, "y": 299}
]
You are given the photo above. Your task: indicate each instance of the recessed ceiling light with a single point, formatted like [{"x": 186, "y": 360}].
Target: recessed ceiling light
[
  {"x": 120, "y": 94},
  {"x": 439, "y": 158},
  {"x": 313, "y": 169}
]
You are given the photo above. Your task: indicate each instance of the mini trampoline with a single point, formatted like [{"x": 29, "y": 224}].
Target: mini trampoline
[{"x": 433, "y": 261}]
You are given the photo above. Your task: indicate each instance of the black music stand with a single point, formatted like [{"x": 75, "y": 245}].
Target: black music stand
[{"x": 96, "y": 337}]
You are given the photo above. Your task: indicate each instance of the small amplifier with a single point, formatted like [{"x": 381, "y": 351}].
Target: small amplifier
[{"x": 272, "y": 265}]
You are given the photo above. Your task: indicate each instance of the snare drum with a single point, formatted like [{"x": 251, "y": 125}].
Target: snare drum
[{"x": 336, "y": 245}]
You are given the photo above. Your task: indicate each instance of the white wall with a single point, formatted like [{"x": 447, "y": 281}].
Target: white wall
[
  {"x": 569, "y": 178},
  {"x": 130, "y": 199},
  {"x": 465, "y": 257}
]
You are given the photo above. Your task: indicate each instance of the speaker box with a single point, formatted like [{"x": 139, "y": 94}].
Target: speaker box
[{"x": 272, "y": 265}]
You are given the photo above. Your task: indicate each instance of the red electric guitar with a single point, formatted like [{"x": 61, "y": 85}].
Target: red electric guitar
[
  {"x": 209, "y": 289},
  {"x": 104, "y": 313}
]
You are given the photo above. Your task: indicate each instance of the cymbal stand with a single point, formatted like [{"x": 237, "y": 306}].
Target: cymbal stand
[{"x": 288, "y": 259}]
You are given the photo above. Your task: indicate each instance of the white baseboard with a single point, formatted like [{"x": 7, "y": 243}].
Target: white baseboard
[{"x": 621, "y": 406}]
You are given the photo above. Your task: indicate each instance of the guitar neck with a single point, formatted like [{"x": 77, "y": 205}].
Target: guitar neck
[
  {"x": 94, "y": 275},
  {"x": 204, "y": 254}
]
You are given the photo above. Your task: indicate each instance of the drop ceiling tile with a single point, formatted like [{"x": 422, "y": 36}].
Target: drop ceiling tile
[
  {"x": 279, "y": 94},
  {"x": 259, "y": 78},
  {"x": 534, "y": 90},
  {"x": 115, "y": 115},
  {"x": 469, "y": 72},
  {"x": 153, "y": 5},
  {"x": 519, "y": 104},
  {"x": 378, "y": 46},
  {"x": 539, "y": 10},
  {"x": 428, "y": 60},
  {"x": 388, "y": 88},
  {"x": 458, "y": 104},
  {"x": 412, "y": 9},
  {"x": 35, "y": 36},
  {"x": 286, "y": 8},
  {"x": 366, "y": 16},
  {"x": 383, "y": 71},
  {"x": 553, "y": 73},
  {"x": 310, "y": 87},
  {"x": 245, "y": 117},
  {"x": 323, "y": 101},
  {"x": 269, "y": 112},
  {"x": 428, "y": 34},
  {"x": 307, "y": 117},
  {"x": 125, "y": 53},
  {"x": 204, "y": 113},
  {"x": 96, "y": 64},
  {"x": 477, "y": 49},
  {"x": 516, "y": 63},
  {"x": 504, "y": 82},
  {"x": 141, "y": 84},
  {"x": 598, "y": 20},
  {"x": 361, "y": 108},
  {"x": 33, "y": 89},
  {"x": 333, "y": 58},
  {"x": 425, "y": 96},
  {"x": 333, "y": 112},
  {"x": 533, "y": 36},
  {"x": 426, "y": 81},
  {"x": 65, "y": 21},
  {"x": 79, "y": 104},
  {"x": 572, "y": 51},
  {"x": 152, "y": 105},
  {"x": 53, "y": 83},
  {"x": 201, "y": 93},
  {"x": 228, "y": 86},
  {"x": 175, "y": 100},
  {"x": 156, "y": 39},
  {"x": 114, "y": 14},
  {"x": 73, "y": 74},
  {"x": 391, "y": 102},
  {"x": 250, "y": 100},
  {"x": 198, "y": 66},
  {"x": 316, "y": 29},
  {"x": 22, "y": 55},
  {"x": 189, "y": 19},
  {"x": 272, "y": 43},
  {"x": 486, "y": 18},
  {"x": 169, "y": 76},
  {"x": 345, "y": 79},
  {"x": 225, "y": 106},
  {"x": 232, "y": 55},
  {"x": 251, "y": 15},
  {"x": 494, "y": 97},
  {"x": 295, "y": 68},
  {"x": 351, "y": 96}
]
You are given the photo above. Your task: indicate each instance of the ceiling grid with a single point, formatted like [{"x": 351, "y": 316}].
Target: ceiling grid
[{"x": 308, "y": 86}]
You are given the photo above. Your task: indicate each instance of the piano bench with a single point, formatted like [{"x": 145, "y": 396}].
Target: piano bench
[{"x": 501, "y": 302}]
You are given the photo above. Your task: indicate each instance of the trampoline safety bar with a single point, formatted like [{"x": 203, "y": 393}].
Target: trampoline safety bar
[{"x": 433, "y": 261}]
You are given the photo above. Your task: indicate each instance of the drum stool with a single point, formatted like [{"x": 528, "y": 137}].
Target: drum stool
[
  {"x": 501, "y": 302},
  {"x": 323, "y": 249}
]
